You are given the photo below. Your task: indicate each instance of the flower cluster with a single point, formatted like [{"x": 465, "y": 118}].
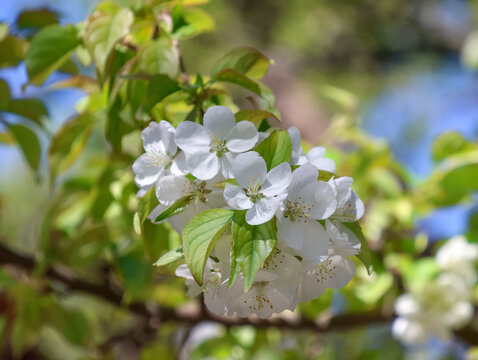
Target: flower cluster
[
  {"x": 216, "y": 165},
  {"x": 442, "y": 304}
]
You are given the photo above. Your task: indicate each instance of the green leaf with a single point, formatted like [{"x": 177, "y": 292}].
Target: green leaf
[
  {"x": 255, "y": 116},
  {"x": 199, "y": 237},
  {"x": 275, "y": 149},
  {"x": 3, "y": 31},
  {"x": 50, "y": 49},
  {"x": 456, "y": 184},
  {"x": 450, "y": 143},
  {"x": 116, "y": 127},
  {"x": 146, "y": 204},
  {"x": 12, "y": 50},
  {"x": 364, "y": 256},
  {"x": 169, "y": 262},
  {"x": 158, "y": 88},
  {"x": 196, "y": 21},
  {"x": 5, "y": 95},
  {"x": 68, "y": 143},
  {"x": 246, "y": 60},
  {"x": 236, "y": 77},
  {"x": 159, "y": 57},
  {"x": 36, "y": 18},
  {"x": 103, "y": 29},
  {"x": 32, "y": 109},
  {"x": 7, "y": 138},
  {"x": 325, "y": 175},
  {"x": 175, "y": 208},
  {"x": 28, "y": 142},
  {"x": 251, "y": 245}
]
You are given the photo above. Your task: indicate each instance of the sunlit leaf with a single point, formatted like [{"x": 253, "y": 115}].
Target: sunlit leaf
[
  {"x": 146, "y": 204},
  {"x": 251, "y": 245},
  {"x": 275, "y": 149},
  {"x": 255, "y": 116},
  {"x": 50, "y": 49},
  {"x": 159, "y": 57},
  {"x": 199, "y": 237},
  {"x": 450, "y": 143},
  {"x": 103, "y": 29},
  {"x": 168, "y": 262},
  {"x": 246, "y": 60},
  {"x": 158, "y": 88}
]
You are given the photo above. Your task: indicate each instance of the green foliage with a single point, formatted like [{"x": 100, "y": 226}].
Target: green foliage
[
  {"x": 175, "y": 208},
  {"x": 365, "y": 256},
  {"x": 169, "y": 262},
  {"x": 50, "y": 49},
  {"x": 199, "y": 237},
  {"x": 28, "y": 142},
  {"x": 275, "y": 149},
  {"x": 250, "y": 247},
  {"x": 246, "y": 60}
]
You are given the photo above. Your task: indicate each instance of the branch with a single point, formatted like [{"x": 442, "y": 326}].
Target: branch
[{"x": 154, "y": 316}]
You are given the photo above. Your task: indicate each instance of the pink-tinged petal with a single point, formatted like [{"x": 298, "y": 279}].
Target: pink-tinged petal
[
  {"x": 277, "y": 180},
  {"x": 249, "y": 167},
  {"x": 192, "y": 137},
  {"x": 301, "y": 177},
  {"x": 146, "y": 170},
  {"x": 236, "y": 198},
  {"x": 219, "y": 120},
  {"x": 171, "y": 188},
  {"x": 242, "y": 137},
  {"x": 261, "y": 211},
  {"x": 203, "y": 164}
]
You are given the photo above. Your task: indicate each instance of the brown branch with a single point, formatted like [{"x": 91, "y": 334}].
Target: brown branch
[{"x": 154, "y": 316}]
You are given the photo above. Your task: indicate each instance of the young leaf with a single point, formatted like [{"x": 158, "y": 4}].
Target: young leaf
[
  {"x": 175, "y": 208},
  {"x": 50, "y": 49},
  {"x": 247, "y": 60},
  {"x": 236, "y": 77},
  {"x": 251, "y": 245},
  {"x": 325, "y": 175},
  {"x": 255, "y": 116},
  {"x": 199, "y": 237},
  {"x": 168, "y": 262},
  {"x": 365, "y": 256},
  {"x": 159, "y": 57},
  {"x": 275, "y": 149},
  {"x": 36, "y": 18},
  {"x": 103, "y": 29},
  {"x": 12, "y": 50},
  {"x": 67, "y": 144},
  {"x": 28, "y": 142},
  {"x": 146, "y": 204},
  {"x": 159, "y": 87}
]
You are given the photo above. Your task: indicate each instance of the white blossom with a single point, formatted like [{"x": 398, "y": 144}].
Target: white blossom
[
  {"x": 258, "y": 189},
  {"x": 210, "y": 149},
  {"x": 307, "y": 201},
  {"x": 161, "y": 157},
  {"x": 203, "y": 195}
]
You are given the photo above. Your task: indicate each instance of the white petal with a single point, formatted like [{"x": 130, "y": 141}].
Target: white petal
[
  {"x": 214, "y": 302},
  {"x": 147, "y": 171},
  {"x": 261, "y": 211},
  {"x": 277, "y": 180},
  {"x": 316, "y": 156},
  {"x": 311, "y": 288},
  {"x": 248, "y": 167},
  {"x": 167, "y": 137},
  {"x": 301, "y": 177},
  {"x": 295, "y": 141},
  {"x": 219, "y": 120},
  {"x": 158, "y": 137},
  {"x": 192, "y": 137},
  {"x": 236, "y": 198},
  {"x": 179, "y": 165},
  {"x": 337, "y": 271},
  {"x": 171, "y": 188},
  {"x": 324, "y": 195},
  {"x": 226, "y": 161},
  {"x": 290, "y": 233},
  {"x": 343, "y": 241},
  {"x": 184, "y": 272},
  {"x": 203, "y": 164},
  {"x": 316, "y": 243},
  {"x": 242, "y": 137},
  {"x": 406, "y": 305}
]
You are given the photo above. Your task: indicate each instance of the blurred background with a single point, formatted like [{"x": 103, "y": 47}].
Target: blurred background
[{"x": 410, "y": 66}]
